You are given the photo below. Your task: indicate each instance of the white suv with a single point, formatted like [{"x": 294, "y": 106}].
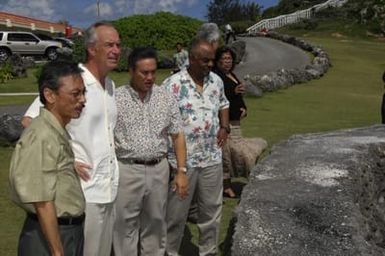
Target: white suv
[{"x": 25, "y": 43}]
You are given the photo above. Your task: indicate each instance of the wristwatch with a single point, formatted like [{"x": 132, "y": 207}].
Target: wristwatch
[
  {"x": 183, "y": 169},
  {"x": 227, "y": 129}
]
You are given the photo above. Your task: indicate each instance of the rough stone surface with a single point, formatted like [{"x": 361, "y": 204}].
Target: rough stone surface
[
  {"x": 10, "y": 128},
  {"x": 239, "y": 47},
  {"x": 284, "y": 78},
  {"x": 316, "y": 194}
]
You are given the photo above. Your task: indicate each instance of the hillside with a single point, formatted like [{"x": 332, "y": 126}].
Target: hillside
[{"x": 367, "y": 14}]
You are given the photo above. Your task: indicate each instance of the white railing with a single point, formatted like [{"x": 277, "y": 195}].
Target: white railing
[{"x": 294, "y": 17}]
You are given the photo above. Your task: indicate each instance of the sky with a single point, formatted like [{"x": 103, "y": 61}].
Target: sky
[{"x": 82, "y": 13}]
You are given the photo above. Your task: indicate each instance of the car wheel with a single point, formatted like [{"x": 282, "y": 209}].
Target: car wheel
[
  {"x": 4, "y": 54},
  {"x": 51, "y": 53}
]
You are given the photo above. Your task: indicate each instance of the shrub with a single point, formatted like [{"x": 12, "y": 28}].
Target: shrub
[
  {"x": 79, "y": 52},
  {"x": 161, "y": 30},
  {"x": 5, "y": 71}
]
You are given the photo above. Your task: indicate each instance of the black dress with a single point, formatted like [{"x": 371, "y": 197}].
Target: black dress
[{"x": 235, "y": 99}]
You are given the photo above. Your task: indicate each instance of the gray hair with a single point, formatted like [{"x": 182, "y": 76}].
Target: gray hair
[
  {"x": 208, "y": 32},
  {"x": 90, "y": 36}
]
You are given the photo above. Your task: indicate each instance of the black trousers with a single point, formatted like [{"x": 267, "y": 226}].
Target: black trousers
[{"x": 33, "y": 242}]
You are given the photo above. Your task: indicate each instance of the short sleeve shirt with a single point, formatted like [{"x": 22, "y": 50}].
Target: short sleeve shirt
[
  {"x": 181, "y": 59},
  {"x": 200, "y": 117},
  {"x": 42, "y": 168},
  {"x": 142, "y": 128},
  {"x": 93, "y": 138}
]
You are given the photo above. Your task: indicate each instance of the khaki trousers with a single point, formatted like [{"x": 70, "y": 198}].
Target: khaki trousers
[
  {"x": 140, "y": 227},
  {"x": 98, "y": 228},
  {"x": 207, "y": 185}
]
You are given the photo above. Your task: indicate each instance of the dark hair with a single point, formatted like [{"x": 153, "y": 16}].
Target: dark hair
[
  {"x": 222, "y": 50},
  {"x": 140, "y": 53},
  {"x": 51, "y": 74}
]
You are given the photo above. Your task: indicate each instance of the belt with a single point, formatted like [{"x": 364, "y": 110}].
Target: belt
[
  {"x": 62, "y": 220},
  {"x": 153, "y": 161}
]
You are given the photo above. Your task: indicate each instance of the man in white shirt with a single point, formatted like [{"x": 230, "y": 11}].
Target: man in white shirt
[{"x": 93, "y": 138}]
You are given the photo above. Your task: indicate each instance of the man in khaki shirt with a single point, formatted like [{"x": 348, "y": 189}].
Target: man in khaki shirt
[{"x": 42, "y": 177}]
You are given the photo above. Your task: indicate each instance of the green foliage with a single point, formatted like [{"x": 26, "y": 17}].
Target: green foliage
[
  {"x": 5, "y": 71},
  {"x": 79, "y": 52},
  {"x": 305, "y": 24},
  {"x": 161, "y": 30},
  {"x": 370, "y": 13},
  {"x": 226, "y": 11},
  {"x": 289, "y": 6},
  {"x": 241, "y": 26}
]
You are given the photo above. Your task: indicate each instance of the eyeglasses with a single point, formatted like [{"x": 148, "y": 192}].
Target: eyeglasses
[{"x": 227, "y": 58}]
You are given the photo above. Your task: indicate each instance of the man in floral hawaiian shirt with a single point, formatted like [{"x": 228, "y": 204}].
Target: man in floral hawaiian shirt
[{"x": 204, "y": 110}]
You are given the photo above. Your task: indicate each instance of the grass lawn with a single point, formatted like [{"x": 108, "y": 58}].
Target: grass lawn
[{"x": 347, "y": 96}]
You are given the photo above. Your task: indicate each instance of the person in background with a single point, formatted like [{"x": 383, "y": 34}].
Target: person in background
[
  {"x": 239, "y": 154},
  {"x": 229, "y": 32},
  {"x": 180, "y": 58},
  {"x": 43, "y": 180},
  {"x": 93, "y": 138},
  {"x": 383, "y": 101},
  {"x": 204, "y": 108},
  {"x": 147, "y": 116}
]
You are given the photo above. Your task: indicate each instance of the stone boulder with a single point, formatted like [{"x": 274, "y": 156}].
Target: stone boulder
[
  {"x": 317, "y": 194},
  {"x": 239, "y": 47},
  {"x": 10, "y": 128}
]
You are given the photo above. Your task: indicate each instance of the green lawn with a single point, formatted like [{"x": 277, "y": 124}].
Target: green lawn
[{"x": 347, "y": 96}]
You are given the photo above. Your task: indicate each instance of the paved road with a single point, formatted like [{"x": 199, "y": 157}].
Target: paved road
[{"x": 264, "y": 55}]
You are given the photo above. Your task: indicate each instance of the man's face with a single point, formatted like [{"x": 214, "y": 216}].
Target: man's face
[
  {"x": 143, "y": 76},
  {"x": 70, "y": 98},
  {"x": 106, "y": 50},
  {"x": 202, "y": 60},
  {"x": 178, "y": 47}
]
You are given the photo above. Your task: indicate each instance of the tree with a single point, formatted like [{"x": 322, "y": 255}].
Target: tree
[{"x": 225, "y": 11}]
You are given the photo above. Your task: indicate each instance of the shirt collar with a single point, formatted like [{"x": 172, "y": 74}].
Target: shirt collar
[
  {"x": 90, "y": 78},
  {"x": 135, "y": 95},
  {"x": 206, "y": 80},
  {"x": 52, "y": 120}
]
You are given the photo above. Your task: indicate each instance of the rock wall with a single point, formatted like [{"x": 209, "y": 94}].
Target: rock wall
[
  {"x": 283, "y": 78},
  {"x": 317, "y": 194}
]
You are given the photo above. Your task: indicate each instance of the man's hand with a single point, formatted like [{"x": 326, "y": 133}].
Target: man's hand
[
  {"x": 180, "y": 185},
  {"x": 243, "y": 113},
  {"x": 221, "y": 137},
  {"x": 83, "y": 170}
]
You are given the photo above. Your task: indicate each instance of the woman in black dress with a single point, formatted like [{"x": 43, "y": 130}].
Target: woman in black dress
[{"x": 239, "y": 154}]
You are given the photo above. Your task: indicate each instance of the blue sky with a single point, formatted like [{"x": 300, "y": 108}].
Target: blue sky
[{"x": 84, "y": 12}]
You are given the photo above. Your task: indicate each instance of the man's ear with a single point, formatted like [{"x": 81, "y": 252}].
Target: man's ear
[
  {"x": 91, "y": 50},
  {"x": 49, "y": 95}
]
